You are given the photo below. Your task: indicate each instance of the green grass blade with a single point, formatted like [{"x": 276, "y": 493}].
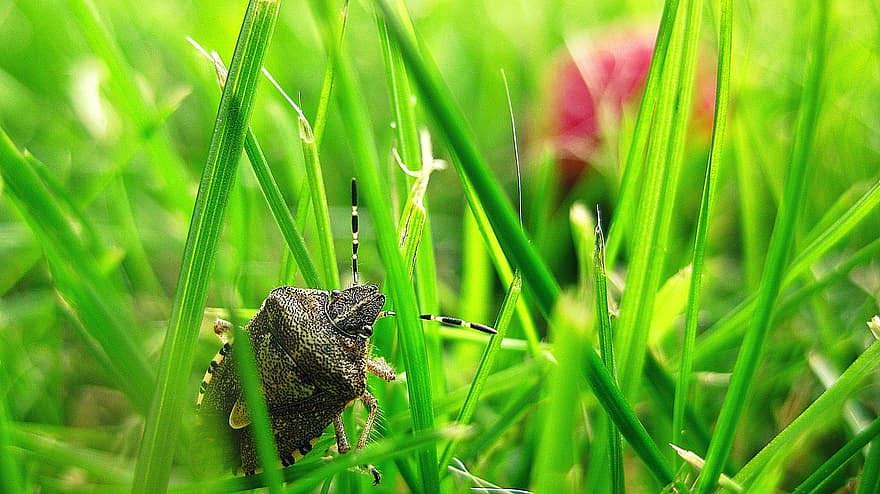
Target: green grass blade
[
  {"x": 10, "y": 478},
  {"x": 93, "y": 297},
  {"x": 327, "y": 84},
  {"x": 267, "y": 450},
  {"x": 281, "y": 213},
  {"x": 870, "y": 481},
  {"x": 606, "y": 345},
  {"x": 487, "y": 362},
  {"x": 780, "y": 245},
  {"x": 129, "y": 98},
  {"x": 635, "y": 157},
  {"x": 825, "y": 409},
  {"x": 838, "y": 459},
  {"x": 471, "y": 166},
  {"x": 163, "y": 422},
  {"x": 722, "y": 97},
  {"x": 654, "y": 215},
  {"x": 401, "y": 291},
  {"x": 554, "y": 457}
]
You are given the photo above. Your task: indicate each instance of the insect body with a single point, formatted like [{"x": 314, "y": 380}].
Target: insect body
[{"x": 312, "y": 353}]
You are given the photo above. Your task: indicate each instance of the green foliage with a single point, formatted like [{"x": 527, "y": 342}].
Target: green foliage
[{"x": 735, "y": 259}]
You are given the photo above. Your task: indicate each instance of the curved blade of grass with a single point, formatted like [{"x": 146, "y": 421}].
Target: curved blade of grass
[
  {"x": 682, "y": 390},
  {"x": 163, "y": 422},
  {"x": 94, "y": 298},
  {"x": 99, "y": 465},
  {"x": 327, "y": 84},
  {"x": 128, "y": 97},
  {"x": 303, "y": 477},
  {"x": 353, "y": 107},
  {"x": 487, "y": 362},
  {"x": 780, "y": 245},
  {"x": 471, "y": 166},
  {"x": 822, "y": 411},
  {"x": 840, "y": 458}
]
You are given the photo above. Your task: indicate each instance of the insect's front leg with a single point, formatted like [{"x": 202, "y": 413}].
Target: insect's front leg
[
  {"x": 342, "y": 444},
  {"x": 373, "y": 408},
  {"x": 380, "y": 368}
]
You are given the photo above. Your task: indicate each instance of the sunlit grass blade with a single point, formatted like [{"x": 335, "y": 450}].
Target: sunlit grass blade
[
  {"x": 722, "y": 97},
  {"x": 93, "y": 297},
  {"x": 163, "y": 422},
  {"x": 635, "y": 157},
  {"x": 780, "y": 245},
  {"x": 656, "y": 201},
  {"x": 554, "y": 457},
  {"x": 485, "y": 366},
  {"x": 401, "y": 291},
  {"x": 824, "y": 409},
  {"x": 837, "y": 461}
]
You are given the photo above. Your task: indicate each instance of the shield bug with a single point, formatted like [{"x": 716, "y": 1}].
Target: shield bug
[{"x": 313, "y": 355}]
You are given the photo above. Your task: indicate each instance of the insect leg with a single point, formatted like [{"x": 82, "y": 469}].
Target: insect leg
[
  {"x": 380, "y": 368},
  {"x": 354, "y": 232},
  {"x": 342, "y": 444},
  {"x": 223, "y": 329},
  {"x": 373, "y": 408}
]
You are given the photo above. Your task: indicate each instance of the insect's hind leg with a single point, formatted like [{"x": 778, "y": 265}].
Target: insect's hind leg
[
  {"x": 342, "y": 444},
  {"x": 224, "y": 330}
]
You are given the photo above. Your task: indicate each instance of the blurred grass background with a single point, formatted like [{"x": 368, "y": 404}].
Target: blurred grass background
[{"x": 116, "y": 108}]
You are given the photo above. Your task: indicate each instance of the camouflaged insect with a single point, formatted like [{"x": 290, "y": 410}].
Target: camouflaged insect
[{"x": 312, "y": 354}]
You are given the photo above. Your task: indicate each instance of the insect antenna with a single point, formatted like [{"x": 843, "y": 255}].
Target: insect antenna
[
  {"x": 447, "y": 321},
  {"x": 354, "y": 231}
]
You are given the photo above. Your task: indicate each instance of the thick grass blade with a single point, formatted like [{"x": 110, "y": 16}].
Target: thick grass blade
[
  {"x": 869, "y": 483},
  {"x": 554, "y": 458},
  {"x": 267, "y": 450},
  {"x": 635, "y": 157},
  {"x": 319, "y": 200},
  {"x": 656, "y": 201},
  {"x": 722, "y": 97},
  {"x": 354, "y": 113},
  {"x": 471, "y": 167},
  {"x": 487, "y": 361},
  {"x": 163, "y": 422},
  {"x": 837, "y": 461},
  {"x": 780, "y": 245},
  {"x": 822, "y": 411}
]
